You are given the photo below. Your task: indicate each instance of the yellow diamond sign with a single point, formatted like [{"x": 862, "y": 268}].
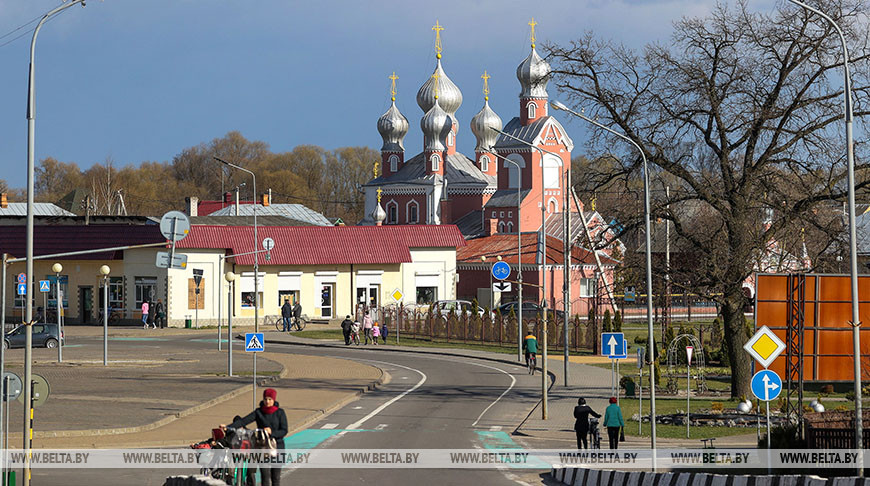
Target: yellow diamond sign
[
  {"x": 764, "y": 346},
  {"x": 397, "y": 295}
]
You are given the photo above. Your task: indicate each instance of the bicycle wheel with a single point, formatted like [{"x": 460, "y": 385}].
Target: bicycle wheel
[
  {"x": 301, "y": 323},
  {"x": 279, "y": 324}
]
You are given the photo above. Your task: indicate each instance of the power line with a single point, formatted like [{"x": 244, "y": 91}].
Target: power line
[{"x": 23, "y": 33}]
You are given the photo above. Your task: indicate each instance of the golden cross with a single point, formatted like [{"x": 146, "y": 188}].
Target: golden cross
[
  {"x": 486, "y": 85},
  {"x": 379, "y": 195},
  {"x": 533, "y": 24},
  {"x": 376, "y": 168},
  {"x": 393, "y": 91},
  {"x": 437, "y": 28},
  {"x": 593, "y": 203}
]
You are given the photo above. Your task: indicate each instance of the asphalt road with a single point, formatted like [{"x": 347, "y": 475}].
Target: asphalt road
[{"x": 431, "y": 402}]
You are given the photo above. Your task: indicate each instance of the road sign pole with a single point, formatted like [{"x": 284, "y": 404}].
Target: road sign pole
[
  {"x": 640, "y": 400},
  {"x": 688, "y": 394},
  {"x": 617, "y": 382},
  {"x": 767, "y": 405},
  {"x": 255, "y": 380},
  {"x": 612, "y": 375}
]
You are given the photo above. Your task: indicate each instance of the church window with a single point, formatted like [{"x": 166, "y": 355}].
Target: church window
[
  {"x": 493, "y": 214},
  {"x": 510, "y": 227},
  {"x": 531, "y": 107},
  {"x": 513, "y": 172},
  {"x": 436, "y": 162},
  {"x": 501, "y": 214},
  {"x": 394, "y": 163},
  {"x": 510, "y": 214},
  {"x": 484, "y": 163},
  {"x": 450, "y": 139},
  {"x": 412, "y": 210},
  {"x": 392, "y": 212},
  {"x": 501, "y": 227},
  {"x": 553, "y": 205},
  {"x": 552, "y": 169}
]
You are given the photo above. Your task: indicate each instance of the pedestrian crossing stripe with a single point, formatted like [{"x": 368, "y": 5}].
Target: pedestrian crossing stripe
[{"x": 254, "y": 342}]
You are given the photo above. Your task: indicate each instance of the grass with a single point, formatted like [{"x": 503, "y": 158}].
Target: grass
[{"x": 667, "y": 406}]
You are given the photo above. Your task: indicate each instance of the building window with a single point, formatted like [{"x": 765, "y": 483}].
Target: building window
[
  {"x": 484, "y": 163},
  {"x": 552, "y": 205},
  {"x": 501, "y": 227},
  {"x": 513, "y": 173},
  {"x": 436, "y": 162},
  {"x": 394, "y": 163},
  {"x": 246, "y": 284},
  {"x": 289, "y": 284},
  {"x": 392, "y": 212},
  {"x": 531, "y": 107},
  {"x": 146, "y": 289},
  {"x": 552, "y": 166},
  {"x": 510, "y": 227},
  {"x": 493, "y": 214},
  {"x": 450, "y": 139},
  {"x": 587, "y": 287},
  {"x": 501, "y": 214},
  {"x": 290, "y": 295},
  {"x": 116, "y": 292},
  {"x": 510, "y": 214},
  {"x": 64, "y": 290},
  {"x": 427, "y": 295},
  {"x": 412, "y": 211}
]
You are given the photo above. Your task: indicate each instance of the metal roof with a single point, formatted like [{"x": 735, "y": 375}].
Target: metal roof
[
  {"x": 530, "y": 133},
  {"x": 506, "y": 245},
  {"x": 459, "y": 171},
  {"x": 53, "y": 239},
  {"x": 298, "y": 212},
  {"x": 326, "y": 245},
  {"x": 39, "y": 209},
  {"x": 506, "y": 198}
]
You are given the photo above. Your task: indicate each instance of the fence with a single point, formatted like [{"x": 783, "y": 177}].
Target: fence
[{"x": 833, "y": 430}]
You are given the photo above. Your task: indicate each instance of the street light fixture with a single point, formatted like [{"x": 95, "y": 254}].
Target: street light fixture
[
  {"x": 649, "y": 309},
  {"x": 57, "y": 268},
  {"x": 104, "y": 270},
  {"x": 230, "y": 278}
]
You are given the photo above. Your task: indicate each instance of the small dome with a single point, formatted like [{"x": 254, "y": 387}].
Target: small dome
[
  {"x": 393, "y": 126},
  {"x": 482, "y": 124},
  {"x": 378, "y": 214},
  {"x": 449, "y": 96},
  {"x": 533, "y": 73},
  {"x": 436, "y": 124}
]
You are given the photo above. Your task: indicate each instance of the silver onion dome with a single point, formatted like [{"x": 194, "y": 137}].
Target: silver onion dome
[
  {"x": 436, "y": 125},
  {"x": 378, "y": 214},
  {"x": 393, "y": 126},
  {"x": 482, "y": 125},
  {"x": 449, "y": 96},
  {"x": 533, "y": 73}
]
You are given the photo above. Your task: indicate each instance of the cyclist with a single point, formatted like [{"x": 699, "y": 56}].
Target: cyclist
[{"x": 530, "y": 345}]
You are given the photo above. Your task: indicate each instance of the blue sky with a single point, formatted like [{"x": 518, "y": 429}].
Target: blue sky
[{"x": 141, "y": 80}]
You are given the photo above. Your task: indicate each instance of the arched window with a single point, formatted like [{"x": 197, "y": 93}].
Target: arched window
[
  {"x": 450, "y": 139},
  {"x": 532, "y": 109},
  {"x": 394, "y": 163},
  {"x": 436, "y": 162},
  {"x": 513, "y": 173},
  {"x": 392, "y": 212},
  {"x": 552, "y": 169},
  {"x": 412, "y": 210},
  {"x": 510, "y": 227},
  {"x": 484, "y": 163},
  {"x": 501, "y": 227},
  {"x": 553, "y": 205}
]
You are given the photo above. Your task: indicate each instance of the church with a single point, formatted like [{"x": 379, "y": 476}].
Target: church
[{"x": 503, "y": 189}]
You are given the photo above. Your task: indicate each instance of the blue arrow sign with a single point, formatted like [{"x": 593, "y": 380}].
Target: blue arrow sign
[
  {"x": 501, "y": 270},
  {"x": 44, "y": 286},
  {"x": 613, "y": 345},
  {"x": 22, "y": 289},
  {"x": 766, "y": 385},
  {"x": 254, "y": 342}
]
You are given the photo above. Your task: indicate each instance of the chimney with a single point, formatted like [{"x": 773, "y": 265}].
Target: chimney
[
  {"x": 491, "y": 226},
  {"x": 267, "y": 199},
  {"x": 446, "y": 214},
  {"x": 4, "y": 202},
  {"x": 228, "y": 197},
  {"x": 192, "y": 205},
  {"x": 237, "y": 201}
]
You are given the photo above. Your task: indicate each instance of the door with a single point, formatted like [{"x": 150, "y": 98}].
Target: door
[
  {"x": 327, "y": 300},
  {"x": 86, "y": 304}
]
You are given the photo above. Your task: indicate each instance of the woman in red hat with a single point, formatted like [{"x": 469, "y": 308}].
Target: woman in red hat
[
  {"x": 613, "y": 421},
  {"x": 271, "y": 418}
]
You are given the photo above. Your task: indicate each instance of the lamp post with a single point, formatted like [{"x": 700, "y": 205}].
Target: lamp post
[
  {"x": 28, "y": 306},
  {"x": 104, "y": 270},
  {"x": 853, "y": 245},
  {"x": 543, "y": 274},
  {"x": 57, "y": 268},
  {"x": 649, "y": 308},
  {"x": 519, "y": 254},
  {"x": 230, "y": 278}
]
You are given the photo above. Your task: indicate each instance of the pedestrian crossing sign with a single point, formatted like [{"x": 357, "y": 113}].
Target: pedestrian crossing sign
[
  {"x": 45, "y": 286},
  {"x": 254, "y": 342}
]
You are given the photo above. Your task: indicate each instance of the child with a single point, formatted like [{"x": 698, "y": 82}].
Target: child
[
  {"x": 354, "y": 332},
  {"x": 385, "y": 331},
  {"x": 376, "y": 333}
]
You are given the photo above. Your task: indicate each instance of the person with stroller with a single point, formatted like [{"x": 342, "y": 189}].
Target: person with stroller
[
  {"x": 614, "y": 422},
  {"x": 581, "y": 425},
  {"x": 270, "y": 417}
]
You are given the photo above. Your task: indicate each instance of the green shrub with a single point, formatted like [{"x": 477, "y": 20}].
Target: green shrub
[
  {"x": 783, "y": 437},
  {"x": 608, "y": 325},
  {"x": 617, "y": 322}
]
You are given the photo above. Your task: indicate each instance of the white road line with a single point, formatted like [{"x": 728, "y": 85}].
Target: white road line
[
  {"x": 378, "y": 410},
  {"x": 381, "y": 427},
  {"x": 495, "y": 428},
  {"x": 357, "y": 408},
  {"x": 513, "y": 382},
  {"x": 329, "y": 426}
]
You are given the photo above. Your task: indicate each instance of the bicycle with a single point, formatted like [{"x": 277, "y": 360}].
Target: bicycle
[
  {"x": 276, "y": 321},
  {"x": 114, "y": 317},
  {"x": 300, "y": 323},
  {"x": 532, "y": 362},
  {"x": 594, "y": 433}
]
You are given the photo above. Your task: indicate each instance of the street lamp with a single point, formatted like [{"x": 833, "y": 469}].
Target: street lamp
[
  {"x": 543, "y": 275},
  {"x": 519, "y": 253},
  {"x": 853, "y": 245},
  {"x": 28, "y": 297},
  {"x": 57, "y": 268},
  {"x": 104, "y": 270},
  {"x": 649, "y": 308},
  {"x": 230, "y": 278}
]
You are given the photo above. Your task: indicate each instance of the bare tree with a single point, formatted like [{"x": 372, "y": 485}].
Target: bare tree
[{"x": 742, "y": 113}]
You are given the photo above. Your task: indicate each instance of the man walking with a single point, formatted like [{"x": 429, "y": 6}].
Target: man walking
[
  {"x": 345, "y": 329},
  {"x": 286, "y": 314},
  {"x": 297, "y": 314}
]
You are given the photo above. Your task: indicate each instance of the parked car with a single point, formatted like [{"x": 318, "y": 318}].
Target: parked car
[
  {"x": 531, "y": 310},
  {"x": 458, "y": 307},
  {"x": 44, "y": 336}
]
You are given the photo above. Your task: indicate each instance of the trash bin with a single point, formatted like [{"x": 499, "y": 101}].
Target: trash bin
[{"x": 188, "y": 323}]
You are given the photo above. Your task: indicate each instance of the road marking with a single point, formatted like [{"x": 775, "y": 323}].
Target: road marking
[
  {"x": 357, "y": 408},
  {"x": 329, "y": 426},
  {"x": 381, "y": 427},
  {"x": 378, "y": 410},
  {"x": 495, "y": 428}
]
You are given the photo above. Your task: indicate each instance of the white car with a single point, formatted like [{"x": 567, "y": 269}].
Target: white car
[{"x": 458, "y": 307}]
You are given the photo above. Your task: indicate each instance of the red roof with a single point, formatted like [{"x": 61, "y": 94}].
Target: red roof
[
  {"x": 506, "y": 246},
  {"x": 48, "y": 240},
  {"x": 325, "y": 245}
]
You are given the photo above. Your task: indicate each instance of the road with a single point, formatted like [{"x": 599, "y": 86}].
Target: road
[{"x": 431, "y": 402}]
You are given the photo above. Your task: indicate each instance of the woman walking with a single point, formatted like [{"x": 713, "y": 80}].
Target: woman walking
[
  {"x": 613, "y": 421},
  {"x": 581, "y": 425},
  {"x": 145, "y": 306},
  {"x": 367, "y": 326},
  {"x": 271, "y": 418}
]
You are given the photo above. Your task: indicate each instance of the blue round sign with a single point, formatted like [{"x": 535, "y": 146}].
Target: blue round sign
[
  {"x": 766, "y": 385},
  {"x": 501, "y": 270}
]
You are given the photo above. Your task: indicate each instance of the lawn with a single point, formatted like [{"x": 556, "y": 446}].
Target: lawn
[{"x": 666, "y": 406}]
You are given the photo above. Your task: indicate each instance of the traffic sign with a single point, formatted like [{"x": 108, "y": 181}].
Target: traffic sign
[
  {"x": 501, "y": 286},
  {"x": 629, "y": 294},
  {"x": 22, "y": 278},
  {"x": 268, "y": 244},
  {"x": 613, "y": 345},
  {"x": 397, "y": 295},
  {"x": 254, "y": 342},
  {"x": 766, "y": 385},
  {"x": 22, "y": 289},
  {"x": 501, "y": 270},
  {"x": 179, "y": 260},
  {"x": 41, "y": 390},
  {"x": 689, "y": 351},
  {"x": 176, "y": 231},
  {"x": 44, "y": 286},
  {"x": 764, "y": 346},
  {"x": 13, "y": 386}
]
